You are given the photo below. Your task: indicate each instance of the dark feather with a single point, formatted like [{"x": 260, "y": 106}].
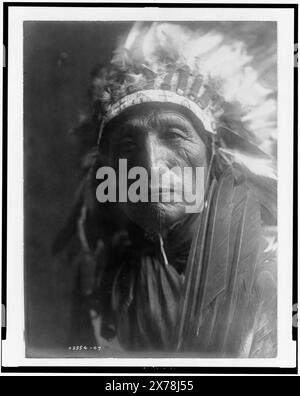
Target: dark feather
[
  {"x": 237, "y": 142},
  {"x": 263, "y": 335},
  {"x": 220, "y": 277},
  {"x": 265, "y": 190},
  {"x": 265, "y": 187},
  {"x": 245, "y": 239},
  {"x": 193, "y": 271},
  {"x": 217, "y": 246}
]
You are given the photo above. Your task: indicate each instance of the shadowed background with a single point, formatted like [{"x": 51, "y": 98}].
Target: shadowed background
[{"x": 58, "y": 58}]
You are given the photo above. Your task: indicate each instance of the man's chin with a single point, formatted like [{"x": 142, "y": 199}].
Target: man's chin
[{"x": 154, "y": 217}]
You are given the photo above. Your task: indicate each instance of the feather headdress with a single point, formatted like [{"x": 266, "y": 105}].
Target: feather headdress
[{"x": 213, "y": 75}]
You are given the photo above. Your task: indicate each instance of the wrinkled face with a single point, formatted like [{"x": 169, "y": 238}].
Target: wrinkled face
[{"x": 163, "y": 141}]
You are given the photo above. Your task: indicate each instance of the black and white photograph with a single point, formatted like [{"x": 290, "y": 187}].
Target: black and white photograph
[{"x": 154, "y": 165}]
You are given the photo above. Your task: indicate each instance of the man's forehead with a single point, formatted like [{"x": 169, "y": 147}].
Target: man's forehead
[{"x": 155, "y": 117}]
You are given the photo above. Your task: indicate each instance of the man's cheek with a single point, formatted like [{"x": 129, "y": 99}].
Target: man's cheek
[{"x": 191, "y": 154}]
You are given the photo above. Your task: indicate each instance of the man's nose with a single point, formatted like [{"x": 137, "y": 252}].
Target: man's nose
[{"x": 155, "y": 154}]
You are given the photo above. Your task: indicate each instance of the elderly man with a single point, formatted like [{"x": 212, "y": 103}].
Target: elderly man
[{"x": 165, "y": 278}]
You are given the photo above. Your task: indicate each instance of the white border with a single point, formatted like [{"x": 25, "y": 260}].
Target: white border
[{"x": 13, "y": 347}]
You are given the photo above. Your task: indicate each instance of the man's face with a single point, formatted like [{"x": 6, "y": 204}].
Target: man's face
[{"x": 163, "y": 139}]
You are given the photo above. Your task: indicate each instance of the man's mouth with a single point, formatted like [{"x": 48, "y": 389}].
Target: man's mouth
[
  {"x": 162, "y": 190},
  {"x": 165, "y": 194}
]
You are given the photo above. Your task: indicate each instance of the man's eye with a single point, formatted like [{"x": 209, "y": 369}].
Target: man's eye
[
  {"x": 174, "y": 133},
  {"x": 127, "y": 140},
  {"x": 126, "y": 144}
]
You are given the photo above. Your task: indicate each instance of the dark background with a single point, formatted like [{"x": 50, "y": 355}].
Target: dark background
[{"x": 58, "y": 59}]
